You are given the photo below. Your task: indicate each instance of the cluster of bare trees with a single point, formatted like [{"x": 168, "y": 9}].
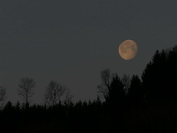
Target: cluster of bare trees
[{"x": 53, "y": 94}]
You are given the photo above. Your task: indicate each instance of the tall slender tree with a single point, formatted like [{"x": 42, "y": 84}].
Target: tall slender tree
[
  {"x": 135, "y": 92},
  {"x": 25, "y": 90},
  {"x": 103, "y": 88},
  {"x": 116, "y": 93}
]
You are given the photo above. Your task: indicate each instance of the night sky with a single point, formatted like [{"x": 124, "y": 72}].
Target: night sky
[{"x": 71, "y": 41}]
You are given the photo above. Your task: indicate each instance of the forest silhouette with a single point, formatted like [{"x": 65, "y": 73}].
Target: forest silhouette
[{"x": 124, "y": 104}]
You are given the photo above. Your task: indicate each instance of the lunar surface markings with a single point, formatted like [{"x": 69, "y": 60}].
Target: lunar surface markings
[{"x": 128, "y": 49}]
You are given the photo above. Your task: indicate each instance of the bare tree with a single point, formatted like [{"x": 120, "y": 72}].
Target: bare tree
[
  {"x": 25, "y": 89},
  {"x": 104, "y": 87},
  {"x": 54, "y": 92},
  {"x": 2, "y": 95},
  {"x": 68, "y": 97}
]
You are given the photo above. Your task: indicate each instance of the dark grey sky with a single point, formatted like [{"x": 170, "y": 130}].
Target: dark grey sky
[{"x": 71, "y": 41}]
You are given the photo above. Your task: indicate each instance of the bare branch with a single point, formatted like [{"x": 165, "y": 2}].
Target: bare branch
[
  {"x": 54, "y": 92},
  {"x": 68, "y": 97},
  {"x": 103, "y": 88},
  {"x": 25, "y": 88}
]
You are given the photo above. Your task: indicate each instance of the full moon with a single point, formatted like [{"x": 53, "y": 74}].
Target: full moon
[{"x": 128, "y": 49}]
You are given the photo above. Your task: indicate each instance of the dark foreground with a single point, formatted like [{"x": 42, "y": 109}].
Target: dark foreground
[{"x": 93, "y": 117}]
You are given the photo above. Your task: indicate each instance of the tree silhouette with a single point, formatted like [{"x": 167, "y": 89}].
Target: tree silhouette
[
  {"x": 8, "y": 106},
  {"x": 126, "y": 82},
  {"x": 158, "y": 113},
  {"x": 54, "y": 92},
  {"x": 135, "y": 91},
  {"x": 160, "y": 77},
  {"x": 104, "y": 87},
  {"x": 25, "y": 89},
  {"x": 115, "y": 102},
  {"x": 116, "y": 93},
  {"x": 68, "y": 97},
  {"x": 113, "y": 87},
  {"x": 2, "y": 95}
]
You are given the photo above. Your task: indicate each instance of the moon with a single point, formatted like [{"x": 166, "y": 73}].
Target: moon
[{"x": 128, "y": 49}]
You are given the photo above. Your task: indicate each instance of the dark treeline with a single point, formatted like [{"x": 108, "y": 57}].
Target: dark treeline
[{"x": 131, "y": 104}]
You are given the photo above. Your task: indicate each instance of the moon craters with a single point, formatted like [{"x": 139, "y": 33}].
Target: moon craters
[{"x": 128, "y": 49}]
